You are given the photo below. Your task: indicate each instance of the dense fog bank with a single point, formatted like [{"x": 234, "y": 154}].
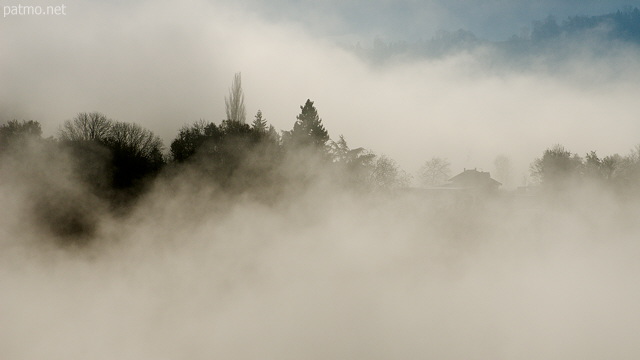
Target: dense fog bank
[{"x": 327, "y": 273}]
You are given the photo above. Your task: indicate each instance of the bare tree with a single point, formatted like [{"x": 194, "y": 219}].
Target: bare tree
[
  {"x": 86, "y": 127},
  {"x": 435, "y": 172},
  {"x": 136, "y": 140},
  {"x": 234, "y": 104},
  {"x": 388, "y": 175}
]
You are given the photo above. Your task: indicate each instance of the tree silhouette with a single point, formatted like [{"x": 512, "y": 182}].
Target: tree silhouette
[
  {"x": 233, "y": 154},
  {"x": 557, "y": 169},
  {"x": 626, "y": 173},
  {"x": 308, "y": 129},
  {"x": 234, "y": 104},
  {"x": 435, "y": 172},
  {"x": 387, "y": 175},
  {"x": 192, "y": 138},
  {"x": 123, "y": 154},
  {"x": 608, "y": 165},
  {"x": 355, "y": 166},
  {"x": 86, "y": 127},
  {"x": 55, "y": 202},
  {"x": 546, "y": 29},
  {"x": 273, "y": 135},
  {"x": 594, "y": 168},
  {"x": 136, "y": 153},
  {"x": 259, "y": 124},
  {"x": 17, "y": 133}
]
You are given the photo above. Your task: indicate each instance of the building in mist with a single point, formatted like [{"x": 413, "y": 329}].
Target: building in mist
[
  {"x": 468, "y": 189},
  {"x": 472, "y": 179}
]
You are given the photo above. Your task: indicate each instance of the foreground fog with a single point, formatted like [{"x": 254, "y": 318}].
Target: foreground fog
[{"x": 323, "y": 274}]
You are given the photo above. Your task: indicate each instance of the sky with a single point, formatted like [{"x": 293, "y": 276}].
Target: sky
[{"x": 164, "y": 65}]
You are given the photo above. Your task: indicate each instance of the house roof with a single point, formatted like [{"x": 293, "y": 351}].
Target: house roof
[{"x": 472, "y": 178}]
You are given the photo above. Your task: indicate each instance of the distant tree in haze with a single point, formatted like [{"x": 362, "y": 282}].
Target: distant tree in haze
[
  {"x": 503, "y": 170},
  {"x": 560, "y": 170},
  {"x": 259, "y": 124},
  {"x": 355, "y": 165},
  {"x": 557, "y": 169},
  {"x": 435, "y": 172},
  {"x": 609, "y": 164},
  {"x": 308, "y": 129},
  {"x": 622, "y": 25},
  {"x": 262, "y": 129},
  {"x": 546, "y": 29},
  {"x": 619, "y": 173},
  {"x": 17, "y": 132},
  {"x": 15, "y": 128},
  {"x": 548, "y": 38},
  {"x": 626, "y": 174},
  {"x": 234, "y": 104},
  {"x": 593, "y": 167},
  {"x": 272, "y": 134},
  {"x": 606, "y": 170},
  {"x": 340, "y": 150},
  {"x": 445, "y": 42},
  {"x": 388, "y": 175}
]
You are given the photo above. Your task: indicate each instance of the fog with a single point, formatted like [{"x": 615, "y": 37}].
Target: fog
[{"x": 323, "y": 272}]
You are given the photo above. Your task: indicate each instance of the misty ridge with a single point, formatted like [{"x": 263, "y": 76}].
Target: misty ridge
[
  {"x": 238, "y": 240},
  {"x": 547, "y": 43}
]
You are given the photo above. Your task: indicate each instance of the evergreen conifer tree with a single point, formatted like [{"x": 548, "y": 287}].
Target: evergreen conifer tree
[{"x": 308, "y": 129}]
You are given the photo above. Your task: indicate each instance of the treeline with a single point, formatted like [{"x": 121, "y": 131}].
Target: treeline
[
  {"x": 118, "y": 159},
  {"x": 621, "y": 27},
  {"x": 560, "y": 171},
  {"x": 95, "y": 165}
]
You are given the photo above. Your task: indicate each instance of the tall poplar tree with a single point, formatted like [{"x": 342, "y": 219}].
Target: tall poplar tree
[{"x": 234, "y": 104}]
